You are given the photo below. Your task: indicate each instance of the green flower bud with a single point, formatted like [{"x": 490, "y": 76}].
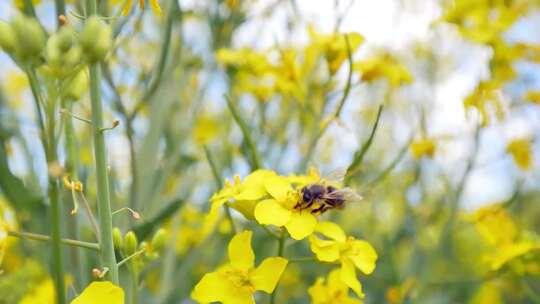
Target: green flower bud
[
  {"x": 117, "y": 238},
  {"x": 96, "y": 39},
  {"x": 30, "y": 36},
  {"x": 65, "y": 38},
  {"x": 130, "y": 243},
  {"x": 8, "y": 42},
  {"x": 76, "y": 86},
  {"x": 159, "y": 240}
]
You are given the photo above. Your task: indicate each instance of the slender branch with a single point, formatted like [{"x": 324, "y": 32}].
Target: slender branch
[
  {"x": 319, "y": 131},
  {"x": 217, "y": 181},
  {"x": 255, "y": 161},
  {"x": 136, "y": 253},
  {"x": 90, "y": 215},
  {"x": 392, "y": 164},
  {"x": 46, "y": 238},
  {"x": 359, "y": 156}
]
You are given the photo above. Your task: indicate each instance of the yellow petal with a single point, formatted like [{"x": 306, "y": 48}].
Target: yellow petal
[
  {"x": 266, "y": 276},
  {"x": 348, "y": 276},
  {"x": 301, "y": 224},
  {"x": 212, "y": 287},
  {"x": 335, "y": 284},
  {"x": 270, "y": 212},
  {"x": 155, "y": 7},
  {"x": 127, "y": 7},
  {"x": 318, "y": 292},
  {"x": 325, "y": 250},
  {"x": 100, "y": 292},
  {"x": 240, "y": 253},
  {"x": 331, "y": 230},
  {"x": 277, "y": 187},
  {"x": 364, "y": 256},
  {"x": 250, "y": 193}
]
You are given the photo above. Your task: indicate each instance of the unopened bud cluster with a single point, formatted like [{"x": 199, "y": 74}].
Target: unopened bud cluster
[
  {"x": 129, "y": 244},
  {"x": 26, "y": 41}
]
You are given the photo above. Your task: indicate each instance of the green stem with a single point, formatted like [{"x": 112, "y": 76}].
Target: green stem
[
  {"x": 60, "y": 10},
  {"x": 54, "y": 199},
  {"x": 281, "y": 251},
  {"x": 104, "y": 204},
  {"x": 302, "y": 260},
  {"x": 46, "y": 238},
  {"x": 359, "y": 156},
  {"x": 136, "y": 253},
  {"x": 255, "y": 160},
  {"x": 217, "y": 181},
  {"x": 319, "y": 131},
  {"x": 533, "y": 296}
]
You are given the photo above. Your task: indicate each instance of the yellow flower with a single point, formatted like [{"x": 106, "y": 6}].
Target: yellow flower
[
  {"x": 384, "y": 67},
  {"x": 521, "y": 152},
  {"x": 333, "y": 292},
  {"x": 43, "y": 293},
  {"x": 498, "y": 230},
  {"x": 334, "y": 47},
  {"x": 279, "y": 209},
  {"x": 533, "y": 96},
  {"x": 488, "y": 293},
  {"x": 237, "y": 281},
  {"x": 195, "y": 228},
  {"x": 423, "y": 147},
  {"x": 486, "y": 99},
  {"x": 20, "y": 3},
  {"x": 100, "y": 292},
  {"x": 350, "y": 252},
  {"x": 206, "y": 129},
  {"x": 241, "y": 195},
  {"x": 154, "y": 4}
]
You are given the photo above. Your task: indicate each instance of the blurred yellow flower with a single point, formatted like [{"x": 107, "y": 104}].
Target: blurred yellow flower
[
  {"x": 206, "y": 129},
  {"x": 350, "y": 252},
  {"x": 333, "y": 292},
  {"x": 533, "y": 96},
  {"x": 20, "y": 3},
  {"x": 154, "y": 4},
  {"x": 279, "y": 209},
  {"x": 386, "y": 67},
  {"x": 488, "y": 293},
  {"x": 498, "y": 229},
  {"x": 237, "y": 281},
  {"x": 486, "y": 99},
  {"x": 334, "y": 47},
  {"x": 100, "y": 292},
  {"x": 521, "y": 151},
  {"x": 43, "y": 293},
  {"x": 15, "y": 85},
  {"x": 423, "y": 147}
]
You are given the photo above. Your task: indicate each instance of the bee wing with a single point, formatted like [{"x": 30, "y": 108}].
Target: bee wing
[
  {"x": 346, "y": 194},
  {"x": 336, "y": 175}
]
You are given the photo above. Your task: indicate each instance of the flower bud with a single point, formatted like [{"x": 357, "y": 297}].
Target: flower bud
[
  {"x": 8, "y": 42},
  {"x": 159, "y": 240},
  {"x": 130, "y": 243},
  {"x": 30, "y": 36},
  {"x": 117, "y": 238},
  {"x": 96, "y": 39}
]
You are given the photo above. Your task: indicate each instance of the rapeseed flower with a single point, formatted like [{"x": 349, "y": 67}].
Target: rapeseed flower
[
  {"x": 100, "y": 292},
  {"x": 423, "y": 147},
  {"x": 348, "y": 251},
  {"x": 128, "y": 4},
  {"x": 521, "y": 151},
  {"x": 334, "y": 47},
  {"x": 279, "y": 209},
  {"x": 384, "y": 67},
  {"x": 237, "y": 281},
  {"x": 331, "y": 291}
]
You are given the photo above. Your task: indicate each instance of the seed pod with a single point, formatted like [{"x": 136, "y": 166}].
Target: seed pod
[
  {"x": 76, "y": 86},
  {"x": 159, "y": 240},
  {"x": 130, "y": 243},
  {"x": 8, "y": 42},
  {"x": 95, "y": 39},
  {"x": 117, "y": 238},
  {"x": 30, "y": 37}
]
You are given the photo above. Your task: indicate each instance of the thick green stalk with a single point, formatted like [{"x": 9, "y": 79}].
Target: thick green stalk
[
  {"x": 104, "y": 204},
  {"x": 55, "y": 209}
]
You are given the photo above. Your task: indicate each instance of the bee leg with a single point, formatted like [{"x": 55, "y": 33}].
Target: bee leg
[{"x": 317, "y": 209}]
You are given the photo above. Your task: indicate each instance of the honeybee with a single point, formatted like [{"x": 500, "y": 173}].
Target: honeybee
[{"x": 321, "y": 196}]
